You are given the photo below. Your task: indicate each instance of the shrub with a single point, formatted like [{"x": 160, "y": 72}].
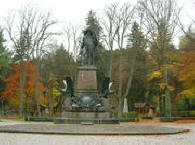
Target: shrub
[
  {"x": 191, "y": 113},
  {"x": 145, "y": 117},
  {"x": 183, "y": 114},
  {"x": 167, "y": 119},
  {"x": 130, "y": 115}
]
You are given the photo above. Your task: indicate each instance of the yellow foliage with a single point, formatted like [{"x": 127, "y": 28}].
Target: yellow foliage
[
  {"x": 188, "y": 78},
  {"x": 56, "y": 92},
  {"x": 13, "y": 101},
  {"x": 159, "y": 73},
  {"x": 162, "y": 86},
  {"x": 170, "y": 66},
  {"x": 189, "y": 93},
  {"x": 155, "y": 74},
  {"x": 53, "y": 98},
  {"x": 171, "y": 88}
]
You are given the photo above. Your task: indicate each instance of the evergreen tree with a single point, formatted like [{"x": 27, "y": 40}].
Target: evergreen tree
[
  {"x": 2, "y": 59},
  {"x": 92, "y": 23},
  {"x": 136, "y": 38},
  {"x": 137, "y": 58},
  {"x": 4, "y": 67}
]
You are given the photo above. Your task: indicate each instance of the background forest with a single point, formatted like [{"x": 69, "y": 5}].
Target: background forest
[{"x": 136, "y": 50}]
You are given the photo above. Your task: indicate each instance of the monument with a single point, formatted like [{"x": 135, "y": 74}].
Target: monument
[{"x": 85, "y": 101}]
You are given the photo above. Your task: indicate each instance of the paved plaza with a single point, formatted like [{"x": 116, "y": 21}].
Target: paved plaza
[
  {"x": 90, "y": 129},
  {"x": 43, "y": 139}
]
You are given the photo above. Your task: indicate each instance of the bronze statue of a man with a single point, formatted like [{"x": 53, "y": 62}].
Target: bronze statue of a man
[{"x": 88, "y": 47}]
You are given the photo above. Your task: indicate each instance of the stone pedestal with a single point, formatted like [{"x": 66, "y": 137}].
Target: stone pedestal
[
  {"x": 86, "y": 105},
  {"x": 86, "y": 81},
  {"x": 86, "y": 115}
]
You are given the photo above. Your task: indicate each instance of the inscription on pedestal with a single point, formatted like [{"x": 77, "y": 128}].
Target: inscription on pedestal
[{"x": 86, "y": 81}]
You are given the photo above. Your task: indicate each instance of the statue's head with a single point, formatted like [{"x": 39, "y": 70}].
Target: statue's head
[{"x": 88, "y": 32}]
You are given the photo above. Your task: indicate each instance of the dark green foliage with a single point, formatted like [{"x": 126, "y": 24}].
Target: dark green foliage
[
  {"x": 146, "y": 117},
  {"x": 102, "y": 58},
  {"x": 2, "y": 48},
  {"x": 57, "y": 65},
  {"x": 167, "y": 119},
  {"x": 4, "y": 62},
  {"x": 138, "y": 60},
  {"x": 183, "y": 113},
  {"x": 92, "y": 23},
  {"x": 171, "y": 119},
  {"x": 130, "y": 115},
  {"x": 39, "y": 119},
  {"x": 136, "y": 38},
  {"x": 184, "y": 108}
]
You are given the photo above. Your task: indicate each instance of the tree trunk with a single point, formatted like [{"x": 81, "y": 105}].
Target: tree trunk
[
  {"x": 120, "y": 86},
  {"x": 167, "y": 96},
  {"x": 21, "y": 89},
  {"x": 51, "y": 103},
  {"x": 2, "y": 108},
  {"x": 31, "y": 106},
  {"x": 110, "y": 65},
  {"x": 35, "y": 90},
  {"x": 130, "y": 76}
]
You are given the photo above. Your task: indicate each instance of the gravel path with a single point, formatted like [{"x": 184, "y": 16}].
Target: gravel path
[{"x": 37, "y": 139}]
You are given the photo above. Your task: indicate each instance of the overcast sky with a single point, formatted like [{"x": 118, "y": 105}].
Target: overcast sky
[{"x": 75, "y": 11}]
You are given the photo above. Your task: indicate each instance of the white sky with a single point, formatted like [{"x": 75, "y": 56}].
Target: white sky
[{"x": 75, "y": 11}]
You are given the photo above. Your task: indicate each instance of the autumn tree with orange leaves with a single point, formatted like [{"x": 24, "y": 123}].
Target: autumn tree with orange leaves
[
  {"x": 186, "y": 70},
  {"x": 11, "y": 92}
]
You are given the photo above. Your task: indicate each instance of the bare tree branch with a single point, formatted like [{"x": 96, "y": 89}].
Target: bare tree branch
[
  {"x": 124, "y": 19},
  {"x": 72, "y": 35},
  {"x": 28, "y": 29}
]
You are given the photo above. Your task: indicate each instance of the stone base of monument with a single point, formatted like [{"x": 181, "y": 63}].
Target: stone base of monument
[
  {"x": 87, "y": 105},
  {"x": 82, "y": 117},
  {"x": 86, "y": 115},
  {"x": 83, "y": 121}
]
